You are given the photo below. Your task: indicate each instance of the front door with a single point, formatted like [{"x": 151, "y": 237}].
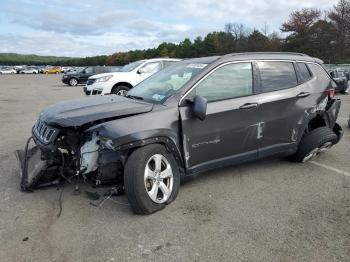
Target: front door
[
  {"x": 86, "y": 73},
  {"x": 147, "y": 70},
  {"x": 230, "y": 130}
]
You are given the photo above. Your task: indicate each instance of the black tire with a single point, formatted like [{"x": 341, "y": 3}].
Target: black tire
[
  {"x": 118, "y": 89},
  {"x": 314, "y": 140},
  {"x": 134, "y": 182},
  {"x": 73, "y": 82}
]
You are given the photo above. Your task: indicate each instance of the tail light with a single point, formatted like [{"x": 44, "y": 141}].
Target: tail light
[{"x": 331, "y": 92}]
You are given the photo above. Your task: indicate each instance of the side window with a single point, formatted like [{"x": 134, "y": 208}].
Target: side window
[
  {"x": 229, "y": 81},
  {"x": 88, "y": 70},
  {"x": 152, "y": 67},
  {"x": 304, "y": 72},
  {"x": 168, "y": 63},
  {"x": 277, "y": 75}
]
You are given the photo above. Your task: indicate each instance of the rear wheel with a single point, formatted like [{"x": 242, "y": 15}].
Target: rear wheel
[
  {"x": 313, "y": 143},
  {"x": 120, "y": 90},
  {"x": 151, "y": 178}
]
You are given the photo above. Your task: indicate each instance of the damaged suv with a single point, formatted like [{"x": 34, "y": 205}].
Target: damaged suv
[{"x": 196, "y": 115}]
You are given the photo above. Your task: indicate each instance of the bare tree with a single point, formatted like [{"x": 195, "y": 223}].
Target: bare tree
[
  {"x": 300, "y": 21},
  {"x": 340, "y": 18},
  {"x": 237, "y": 30},
  {"x": 265, "y": 29}
]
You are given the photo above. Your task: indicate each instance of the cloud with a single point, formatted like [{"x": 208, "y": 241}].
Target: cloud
[{"x": 89, "y": 27}]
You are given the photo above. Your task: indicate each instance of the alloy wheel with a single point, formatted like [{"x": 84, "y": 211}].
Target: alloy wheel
[{"x": 158, "y": 178}]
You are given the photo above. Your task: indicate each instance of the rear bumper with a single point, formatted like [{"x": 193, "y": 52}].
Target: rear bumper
[{"x": 332, "y": 115}]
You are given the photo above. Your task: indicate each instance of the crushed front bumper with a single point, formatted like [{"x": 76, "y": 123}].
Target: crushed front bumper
[{"x": 34, "y": 171}]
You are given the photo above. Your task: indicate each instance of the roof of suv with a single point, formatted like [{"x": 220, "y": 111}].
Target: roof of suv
[
  {"x": 258, "y": 56},
  {"x": 161, "y": 59}
]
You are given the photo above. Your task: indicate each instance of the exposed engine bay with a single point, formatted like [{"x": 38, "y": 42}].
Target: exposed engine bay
[
  {"x": 65, "y": 150},
  {"x": 71, "y": 156}
]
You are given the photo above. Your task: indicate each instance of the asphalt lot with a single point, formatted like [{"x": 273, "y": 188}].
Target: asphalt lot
[{"x": 270, "y": 210}]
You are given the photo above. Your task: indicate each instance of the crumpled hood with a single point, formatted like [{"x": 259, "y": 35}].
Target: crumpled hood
[{"x": 74, "y": 113}]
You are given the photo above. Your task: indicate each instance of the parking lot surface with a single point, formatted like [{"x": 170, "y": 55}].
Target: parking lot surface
[{"x": 270, "y": 210}]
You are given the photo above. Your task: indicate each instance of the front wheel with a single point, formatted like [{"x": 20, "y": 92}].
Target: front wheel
[
  {"x": 313, "y": 143},
  {"x": 73, "y": 82},
  {"x": 120, "y": 90},
  {"x": 151, "y": 179}
]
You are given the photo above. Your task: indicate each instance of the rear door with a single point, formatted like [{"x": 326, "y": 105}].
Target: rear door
[
  {"x": 230, "y": 130},
  {"x": 283, "y": 103}
]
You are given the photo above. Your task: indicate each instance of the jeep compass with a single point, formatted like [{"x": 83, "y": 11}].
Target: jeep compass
[{"x": 193, "y": 116}]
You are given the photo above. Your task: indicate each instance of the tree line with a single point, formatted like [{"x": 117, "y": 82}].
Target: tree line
[{"x": 322, "y": 34}]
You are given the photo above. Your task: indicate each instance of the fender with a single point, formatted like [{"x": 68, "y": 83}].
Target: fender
[
  {"x": 168, "y": 142},
  {"x": 161, "y": 125},
  {"x": 328, "y": 115}
]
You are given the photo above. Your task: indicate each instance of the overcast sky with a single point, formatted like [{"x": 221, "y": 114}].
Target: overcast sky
[{"x": 93, "y": 27}]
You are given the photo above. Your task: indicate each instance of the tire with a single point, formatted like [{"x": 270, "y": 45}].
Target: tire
[
  {"x": 313, "y": 143},
  {"x": 73, "y": 82},
  {"x": 139, "y": 188},
  {"x": 120, "y": 90}
]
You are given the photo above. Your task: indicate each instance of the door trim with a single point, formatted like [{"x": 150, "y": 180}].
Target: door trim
[{"x": 222, "y": 162}]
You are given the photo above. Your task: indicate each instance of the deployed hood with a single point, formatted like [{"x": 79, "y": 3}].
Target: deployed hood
[{"x": 74, "y": 113}]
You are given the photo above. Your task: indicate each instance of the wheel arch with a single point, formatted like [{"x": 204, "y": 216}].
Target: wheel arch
[
  {"x": 73, "y": 77},
  {"x": 127, "y": 84},
  {"x": 165, "y": 141}
]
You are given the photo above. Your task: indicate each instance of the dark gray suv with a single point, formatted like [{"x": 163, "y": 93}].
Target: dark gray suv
[{"x": 194, "y": 116}]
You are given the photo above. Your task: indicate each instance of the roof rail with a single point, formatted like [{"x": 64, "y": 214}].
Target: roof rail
[{"x": 270, "y": 53}]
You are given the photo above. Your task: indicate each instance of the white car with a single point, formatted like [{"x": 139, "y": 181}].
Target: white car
[
  {"x": 66, "y": 69},
  {"x": 29, "y": 70},
  {"x": 129, "y": 75},
  {"x": 7, "y": 70}
]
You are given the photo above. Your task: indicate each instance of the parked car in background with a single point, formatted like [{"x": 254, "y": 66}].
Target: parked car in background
[
  {"x": 7, "y": 70},
  {"x": 19, "y": 67},
  {"x": 341, "y": 79},
  {"x": 347, "y": 74},
  {"x": 126, "y": 78},
  {"x": 74, "y": 78},
  {"x": 54, "y": 70},
  {"x": 66, "y": 69},
  {"x": 194, "y": 116},
  {"x": 29, "y": 70}
]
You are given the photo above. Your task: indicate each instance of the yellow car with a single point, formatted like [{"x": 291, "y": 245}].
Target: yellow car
[{"x": 54, "y": 70}]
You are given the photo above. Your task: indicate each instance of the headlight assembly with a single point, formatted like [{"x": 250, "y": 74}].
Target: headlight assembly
[{"x": 103, "y": 79}]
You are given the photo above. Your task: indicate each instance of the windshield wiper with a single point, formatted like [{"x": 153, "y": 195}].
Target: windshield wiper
[{"x": 134, "y": 97}]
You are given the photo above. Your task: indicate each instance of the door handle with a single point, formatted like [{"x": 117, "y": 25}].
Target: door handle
[
  {"x": 303, "y": 94},
  {"x": 249, "y": 106}
]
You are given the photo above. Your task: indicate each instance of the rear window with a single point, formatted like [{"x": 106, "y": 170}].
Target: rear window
[
  {"x": 304, "y": 72},
  {"x": 277, "y": 75}
]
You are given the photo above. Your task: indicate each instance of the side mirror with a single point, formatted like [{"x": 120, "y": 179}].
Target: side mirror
[
  {"x": 200, "y": 107},
  {"x": 332, "y": 74},
  {"x": 142, "y": 70}
]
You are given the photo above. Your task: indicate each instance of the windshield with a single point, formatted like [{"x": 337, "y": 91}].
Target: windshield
[
  {"x": 131, "y": 66},
  {"x": 160, "y": 86}
]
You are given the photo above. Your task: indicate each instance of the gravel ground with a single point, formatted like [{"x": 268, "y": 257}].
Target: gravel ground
[{"x": 270, "y": 210}]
